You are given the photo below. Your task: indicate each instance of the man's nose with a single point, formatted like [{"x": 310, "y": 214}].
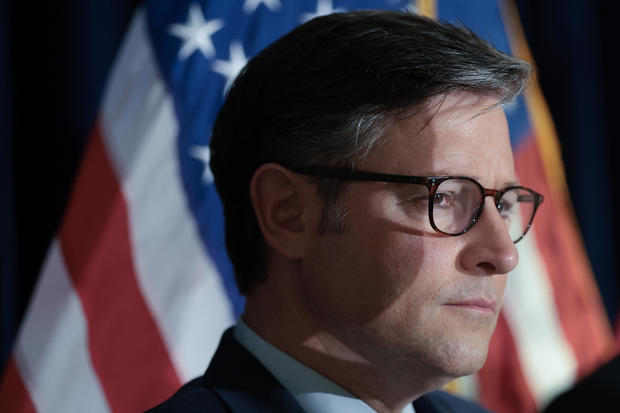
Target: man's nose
[{"x": 490, "y": 249}]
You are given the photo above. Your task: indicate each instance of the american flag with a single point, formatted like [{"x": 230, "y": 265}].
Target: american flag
[{"x": 137, "y": 288}]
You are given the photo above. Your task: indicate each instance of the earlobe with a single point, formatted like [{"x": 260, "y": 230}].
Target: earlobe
[{"x": 279, "y": 205}]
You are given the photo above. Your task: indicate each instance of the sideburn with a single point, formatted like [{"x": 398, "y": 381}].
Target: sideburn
[{"x": 334, "y": 212}]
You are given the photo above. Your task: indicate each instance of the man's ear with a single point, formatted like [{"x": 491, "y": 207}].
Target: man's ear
[{"x": 278, "y": 200}]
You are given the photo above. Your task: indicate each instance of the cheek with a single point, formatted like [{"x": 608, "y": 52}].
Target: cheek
[
  {"x": 386, "y": 270},
  {"x": 428, "y": 261},
  {"x": 415, "y": 273},
  {"x": 367, "y": 272},
  {"x": 377, "y": 267},
  {"x": 398, "y": 259}
]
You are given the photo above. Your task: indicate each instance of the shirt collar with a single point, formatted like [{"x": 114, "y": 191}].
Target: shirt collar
[{"x": 315, "y": 393}]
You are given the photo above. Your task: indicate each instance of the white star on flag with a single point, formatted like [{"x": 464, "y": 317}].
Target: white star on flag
[
  {"x": 249, "y": 6},
  {"x": 323, "y": 8},
  {"x": 203, "y": 153},
  {"x": 196, "y": 33},
  {"x": 231, "y": 68}
]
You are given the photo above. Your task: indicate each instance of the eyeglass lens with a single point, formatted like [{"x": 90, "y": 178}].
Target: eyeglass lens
[{"x": 457, "y": 201}]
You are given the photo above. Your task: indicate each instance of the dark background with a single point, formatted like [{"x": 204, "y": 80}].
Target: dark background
[{"x": 54, "y": 58}]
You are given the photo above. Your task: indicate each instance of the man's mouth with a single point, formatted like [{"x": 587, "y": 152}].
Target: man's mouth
[{"x": 475, "y": 304}]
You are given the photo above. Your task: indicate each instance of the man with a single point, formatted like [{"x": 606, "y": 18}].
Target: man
[{"x": 354, "y": 158}]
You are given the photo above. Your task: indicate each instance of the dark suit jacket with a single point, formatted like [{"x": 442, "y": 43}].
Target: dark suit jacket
[{"x": 236, "y": 382}]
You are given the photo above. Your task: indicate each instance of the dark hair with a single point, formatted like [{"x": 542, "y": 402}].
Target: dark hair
[{"x": 325, "y": 94}]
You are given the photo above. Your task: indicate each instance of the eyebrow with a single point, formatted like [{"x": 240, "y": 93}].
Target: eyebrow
[{"x": 504, "y": 185}]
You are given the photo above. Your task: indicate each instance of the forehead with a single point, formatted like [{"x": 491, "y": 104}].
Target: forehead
[{"x": 458, "y": 134}]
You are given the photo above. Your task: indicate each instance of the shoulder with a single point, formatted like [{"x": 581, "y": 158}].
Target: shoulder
[
  {"x": 442, "y": 402},
  {"x": 193, "y": 397}
]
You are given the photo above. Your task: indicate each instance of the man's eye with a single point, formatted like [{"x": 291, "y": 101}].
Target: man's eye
[
  {"x": 506, "y": 209},
  {"x": 443, "y": 200}
]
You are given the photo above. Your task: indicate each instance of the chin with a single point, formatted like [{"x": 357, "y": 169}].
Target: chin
[
  {"x": 457, "y": 359},
  {"x": 460, "y": 349}
]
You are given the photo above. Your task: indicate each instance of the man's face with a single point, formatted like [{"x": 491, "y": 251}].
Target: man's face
[{"x": 409, "y": 298}]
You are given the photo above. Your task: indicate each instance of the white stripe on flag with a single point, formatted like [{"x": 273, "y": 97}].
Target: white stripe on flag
[
  {"x": 52, "y": 351},
  {"x": 547, "y": 359},
  {"x": 179, "y": 281}
]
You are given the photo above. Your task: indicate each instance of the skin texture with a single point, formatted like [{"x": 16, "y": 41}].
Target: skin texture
[{"x": 387, "y": 310}]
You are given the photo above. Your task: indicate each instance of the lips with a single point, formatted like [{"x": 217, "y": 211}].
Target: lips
[{"x": 475, "y": 304}]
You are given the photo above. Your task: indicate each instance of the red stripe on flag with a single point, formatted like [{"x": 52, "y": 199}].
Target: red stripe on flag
[
  {"x": 503, "y": 387},
  {"x": 13, "y": 394},
  {"x": 576, "y": 296},
  {"x": 126, "y": 347}
]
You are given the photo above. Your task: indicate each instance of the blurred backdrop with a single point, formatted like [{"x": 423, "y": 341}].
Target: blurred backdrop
[{"x": 55, "y": 56}]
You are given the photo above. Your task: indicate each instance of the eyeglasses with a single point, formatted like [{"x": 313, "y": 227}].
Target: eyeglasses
[{"x": 454, "y": 202}]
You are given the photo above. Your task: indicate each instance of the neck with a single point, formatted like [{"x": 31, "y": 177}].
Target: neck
[{"x": 277, "y": 314}]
